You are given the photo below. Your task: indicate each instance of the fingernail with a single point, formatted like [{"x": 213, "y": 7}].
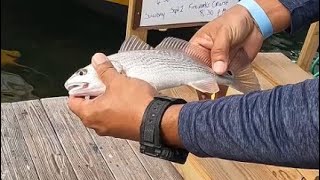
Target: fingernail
[
  {"x": 99, "y": 58},
  {"x": 219, "y": 67}
]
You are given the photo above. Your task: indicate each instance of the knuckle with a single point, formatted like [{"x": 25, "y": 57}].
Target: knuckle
[
  {"x": 100, "y": 132},
  {"x": 106, "y": 72},
  {"x": 219, "y": 55},
  {"x": 72, "y": 106},
  {"x": 86, "y": 122},
  {"x": 103, "y": 71},
  {"x": 85, "y": 116}
]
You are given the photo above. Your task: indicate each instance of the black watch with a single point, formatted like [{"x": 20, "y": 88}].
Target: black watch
[{"x": 150, "y": 139}]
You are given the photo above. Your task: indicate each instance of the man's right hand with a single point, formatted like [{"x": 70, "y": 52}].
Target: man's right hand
[{"x": 231, "y": 35}]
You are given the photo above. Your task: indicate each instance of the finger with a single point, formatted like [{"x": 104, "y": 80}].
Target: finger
[
  {"x": 76, "y": 104},
  {"x": 252, "y": 45},
  {"x": 202, "y": 40},
  {"x": 220, "y": 52},
  {"x": 104, "y": 68}
]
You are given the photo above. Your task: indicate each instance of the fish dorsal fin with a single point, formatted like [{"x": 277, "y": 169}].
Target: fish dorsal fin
[
  {"x": 134, "y": 43},
  {"x": 199, "y": 54}
]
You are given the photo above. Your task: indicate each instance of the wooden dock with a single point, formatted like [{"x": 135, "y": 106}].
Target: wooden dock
[{"x": 43, "y": 139}]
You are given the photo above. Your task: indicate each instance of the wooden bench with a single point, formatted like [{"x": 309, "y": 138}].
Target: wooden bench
[{"x": 42, "y": 139}]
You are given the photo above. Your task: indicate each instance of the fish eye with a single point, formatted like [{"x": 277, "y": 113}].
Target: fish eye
[{"x": 82, "y": 72}]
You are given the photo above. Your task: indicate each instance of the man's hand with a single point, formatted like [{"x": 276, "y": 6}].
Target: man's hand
[
  {"x": 229, "y": 37},
  {"x": 119, "y": 111}
]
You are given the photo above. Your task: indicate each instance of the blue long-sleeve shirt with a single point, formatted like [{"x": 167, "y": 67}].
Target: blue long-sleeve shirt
[
  {"x": 278, "y": 126},
  {"x": 303, "y": 13}
]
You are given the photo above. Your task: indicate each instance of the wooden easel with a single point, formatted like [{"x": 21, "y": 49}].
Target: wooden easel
[
  {"x": 309, "y": 47},
  {"x": 142, "y": 33},
  {"x": 139, "y": 32}
]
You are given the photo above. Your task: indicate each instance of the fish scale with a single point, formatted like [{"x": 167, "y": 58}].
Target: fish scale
[
  {"x": 172, "y": 63},
  {"x": 154, "y": 58},
  {"x": 151, "y": 65}
]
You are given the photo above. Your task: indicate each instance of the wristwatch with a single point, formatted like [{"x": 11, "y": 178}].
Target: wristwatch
[{"x": 150, "y": 139}]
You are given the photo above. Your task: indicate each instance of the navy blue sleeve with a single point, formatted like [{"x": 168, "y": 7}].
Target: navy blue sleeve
[
  {"x": 277, "y": 127},
  {"x": 303, "y": 13}
]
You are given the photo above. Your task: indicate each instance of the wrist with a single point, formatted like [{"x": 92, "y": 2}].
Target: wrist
[
  {"x": 170, "y": 127},
  {"x": 278, "y": 14},
  {"x": 159, "y": 130}
]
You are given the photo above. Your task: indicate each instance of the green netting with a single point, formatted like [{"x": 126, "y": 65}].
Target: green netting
[{"x": 315, "y": 67}]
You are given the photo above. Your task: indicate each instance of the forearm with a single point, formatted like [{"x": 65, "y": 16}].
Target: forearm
[
  {"x": 278, "y": 14},
  {"x": 303, "y": 13},
  {"x": 278, "y": 126},
  {"x": 290, "y": 15}
]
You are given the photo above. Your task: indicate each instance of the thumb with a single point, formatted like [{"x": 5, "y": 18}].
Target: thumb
[
  {"x": 104, "y": 68},
  {"x": 220, "y": 52}
]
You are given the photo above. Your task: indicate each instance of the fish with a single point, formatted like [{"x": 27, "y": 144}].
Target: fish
[{"x": 173, "y": 62}]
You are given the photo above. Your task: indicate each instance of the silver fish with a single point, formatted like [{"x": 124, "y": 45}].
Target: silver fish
[{"x": 174, "y": 62}]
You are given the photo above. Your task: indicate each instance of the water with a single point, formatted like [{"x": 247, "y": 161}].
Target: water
[{"x": 57, "y": 37}]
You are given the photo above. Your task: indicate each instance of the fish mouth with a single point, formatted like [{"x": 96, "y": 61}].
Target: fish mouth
[{"x": 77, "y": 86}]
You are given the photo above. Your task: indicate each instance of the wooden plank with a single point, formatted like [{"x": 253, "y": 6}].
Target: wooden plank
[
  {"x": 14, "y": 148},
  {"x": 192, "y": 169},
  {"x": 309, "y": 174},
  {"x": 141, "y": 33},
  {"x": 46, "y": 151},
  {"x": 278, "y": 69},
  {"x": 225, "y": 169},
  {"x": 261, "y": 171},
  {"x": 82, "y": 152},
  {"x": 285, "y": 173},
  {"x": 157, "y": 168},
  {"x": 309, "y": 47},
  {"x": 5, "y": 171},
  {"x": 121, "y": 159},
  {"x": 212, "y": 168}
]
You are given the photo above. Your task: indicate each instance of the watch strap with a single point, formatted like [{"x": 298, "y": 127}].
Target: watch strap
[{"x": 150, "y": 138}]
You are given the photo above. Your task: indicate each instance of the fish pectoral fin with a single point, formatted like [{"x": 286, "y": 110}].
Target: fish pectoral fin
[
  {"x": 205, "y": 86},
  {"x": 245, "y": 79},
  {"x": 200, "y": 55},
  {"x": 134, "y": 43}
]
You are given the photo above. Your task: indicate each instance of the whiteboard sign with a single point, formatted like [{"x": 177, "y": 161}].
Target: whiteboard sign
[{"x": 165, "y": 12}]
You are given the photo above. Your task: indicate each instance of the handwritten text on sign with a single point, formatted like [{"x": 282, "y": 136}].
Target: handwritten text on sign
[{"x": 162, "y": 12}]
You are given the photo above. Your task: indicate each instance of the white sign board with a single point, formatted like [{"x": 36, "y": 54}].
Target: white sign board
[{"x": 164, "y": 12}]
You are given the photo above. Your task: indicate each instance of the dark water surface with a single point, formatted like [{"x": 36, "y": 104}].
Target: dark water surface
[{"x": 58, "y": 37}]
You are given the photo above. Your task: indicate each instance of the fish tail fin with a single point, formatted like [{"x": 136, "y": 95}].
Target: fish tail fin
[{"x": 245, "y": 79}]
